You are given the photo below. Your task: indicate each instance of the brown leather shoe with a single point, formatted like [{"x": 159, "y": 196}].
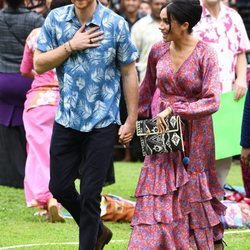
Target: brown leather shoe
[{"x": 104, "y": 238}]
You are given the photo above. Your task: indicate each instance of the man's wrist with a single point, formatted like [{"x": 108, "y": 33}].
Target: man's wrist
[
  {"x": 71, "y": 47},
  {"x": 131, "y": 119},
  {"x": 67, "y": 48}
]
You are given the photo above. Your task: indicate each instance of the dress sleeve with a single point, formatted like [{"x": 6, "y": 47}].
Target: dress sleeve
[
  {"x": 210, "y": 92},
  {"x": 27, "y": 61},
  {"x": 147, "y": 87},
  {"x": 245, "y": 129}
]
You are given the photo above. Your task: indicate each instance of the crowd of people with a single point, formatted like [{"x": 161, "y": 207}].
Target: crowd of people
[{"x": 75, "y": 75}]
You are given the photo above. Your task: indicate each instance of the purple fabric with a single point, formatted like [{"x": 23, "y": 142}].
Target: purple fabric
[{"x": 13, "y": 89}]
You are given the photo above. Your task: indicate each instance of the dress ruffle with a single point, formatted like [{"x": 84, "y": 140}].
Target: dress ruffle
[{"x": 168, "y": 194}]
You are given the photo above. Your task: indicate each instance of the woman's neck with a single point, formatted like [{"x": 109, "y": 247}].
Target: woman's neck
[{"x": 184, "y": 44}]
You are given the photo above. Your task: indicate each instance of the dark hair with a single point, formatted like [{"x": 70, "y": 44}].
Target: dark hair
[
  {"x": 59, "y": 3},
  {"x": 14, "y": 4},
  {"x": 184, "y": 11}
]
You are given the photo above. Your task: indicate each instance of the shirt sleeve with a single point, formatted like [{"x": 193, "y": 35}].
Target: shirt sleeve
[
  {"x": 45, "y": 39},
  {"x": 244, "y": 44},
  {"x": 211, "y": 90},
  {"x": 126, "y": 50},
  {"x": 245, "y": 128}
]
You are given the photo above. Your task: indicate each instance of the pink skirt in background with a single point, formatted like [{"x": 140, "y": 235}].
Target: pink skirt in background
[{"x": 38, "y": 123}]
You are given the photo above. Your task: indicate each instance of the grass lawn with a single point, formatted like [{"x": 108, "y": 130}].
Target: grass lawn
[{"x": 18, "y": 226}]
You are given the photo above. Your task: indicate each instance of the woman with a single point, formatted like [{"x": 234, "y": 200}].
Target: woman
[
  {"x": 177, "y": 205},
  {"x": 38, "y": 116},
  {"x": 16, "y": 22}
]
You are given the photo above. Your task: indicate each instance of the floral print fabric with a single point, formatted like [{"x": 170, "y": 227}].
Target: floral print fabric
[
  {"x": 44, "y": 89},
  {"x": 177, "y": 206}
]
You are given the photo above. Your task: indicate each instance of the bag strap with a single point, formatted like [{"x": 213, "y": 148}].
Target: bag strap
[{"x": 12, "y": 32}]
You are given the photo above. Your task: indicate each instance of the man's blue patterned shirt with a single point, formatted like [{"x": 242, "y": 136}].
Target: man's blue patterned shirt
[{"x": 89, "y": 80}]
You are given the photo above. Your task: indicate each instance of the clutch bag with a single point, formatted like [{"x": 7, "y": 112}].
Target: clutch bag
[{"x": 153, "y": 142}]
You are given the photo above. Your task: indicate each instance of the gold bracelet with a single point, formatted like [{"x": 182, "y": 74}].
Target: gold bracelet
[
  {"x": 70, "y": 46},
  {"x": 66, "y": 49}
]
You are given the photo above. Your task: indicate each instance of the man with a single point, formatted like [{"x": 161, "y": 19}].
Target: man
[
  {"x": 245, "y": 143},
  {"x": 145, "y": 33},
  {"x": 90, "y": 47},
  {"x": 223, "y": 28}
]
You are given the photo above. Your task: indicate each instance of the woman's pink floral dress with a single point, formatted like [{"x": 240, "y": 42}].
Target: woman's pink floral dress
[{"x": 177, "y": 207}]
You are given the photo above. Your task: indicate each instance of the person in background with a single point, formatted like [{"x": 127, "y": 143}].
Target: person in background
[
  {"x": 16, "y": 22},
  {"x": 38, "y": 117},
  {"x": 145, "y": 7},
  {"x": 245, "y": 143},
  {"x": 223, "y": 28},
  {"x": 39, "y": 6},
  {"x": 106, "y": 3},
  {"x": 178, "y": 205},
  {"x": 130, "y": 11},
  {"x": 90, "y": 47},
  {"x": 145, "y": 33}
]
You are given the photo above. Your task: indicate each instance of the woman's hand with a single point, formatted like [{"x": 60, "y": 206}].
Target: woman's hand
[
  {"x": 87, "y": 39},
  {"x": 160, "y": 120}
]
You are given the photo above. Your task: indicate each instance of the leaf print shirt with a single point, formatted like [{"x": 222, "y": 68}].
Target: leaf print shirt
[{"x": 89, "y": 80}]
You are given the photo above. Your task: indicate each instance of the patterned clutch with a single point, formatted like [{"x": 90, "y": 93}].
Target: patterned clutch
[{"x": 153, "y": 142}]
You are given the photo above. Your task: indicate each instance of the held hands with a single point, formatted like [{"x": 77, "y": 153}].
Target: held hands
[
  {"x": 240, "y": 88},
  {"x": 126, "y": 133},
  {"x": 86, "y": 39},
  {"x": 160, "y": 120}
]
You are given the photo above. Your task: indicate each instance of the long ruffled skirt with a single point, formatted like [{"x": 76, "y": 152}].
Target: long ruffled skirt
[{"x": 176, "y": 208}]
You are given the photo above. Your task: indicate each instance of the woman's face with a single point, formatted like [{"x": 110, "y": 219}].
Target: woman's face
[
  {"x": 171, "y": 30},
  {"x": 165, "y": 26}
]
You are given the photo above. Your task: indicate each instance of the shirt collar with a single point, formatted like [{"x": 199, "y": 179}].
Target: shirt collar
[
  {"x": 96, "y": 18},
  {"x": 206, "y": 13}
]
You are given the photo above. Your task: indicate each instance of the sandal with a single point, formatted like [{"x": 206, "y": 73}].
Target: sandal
[
  {"x": 219, "y": 244},
  {"x": 53, "y": 212}
]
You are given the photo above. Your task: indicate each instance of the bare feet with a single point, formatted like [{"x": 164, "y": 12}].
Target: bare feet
[{"x": 53, "y": 212}]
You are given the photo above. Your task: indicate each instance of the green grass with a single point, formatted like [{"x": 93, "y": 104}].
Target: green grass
[{"x": 18, "y": 226}]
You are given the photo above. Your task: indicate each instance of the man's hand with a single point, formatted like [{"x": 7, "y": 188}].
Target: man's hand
[
  {"x": 86, "y": 39},
  {"x": 126, "y": 133},
  {"x": 245, "y": 156},
  {"x": 240, "y": 89}
]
